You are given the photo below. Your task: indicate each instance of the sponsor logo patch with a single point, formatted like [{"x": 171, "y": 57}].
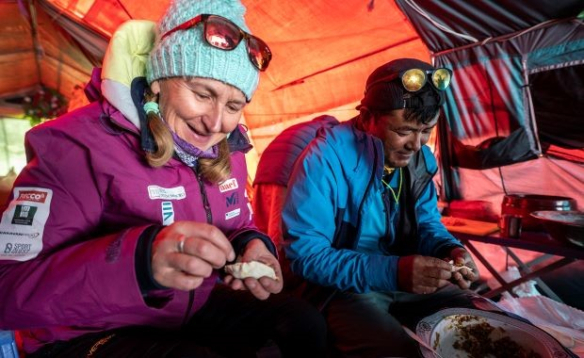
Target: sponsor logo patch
[
  {"x": 232, "y": 199},
  {"x": 158, "y": 192},
  {"x": 17, "y": 249},
  {"x": 23, "y": 214},
  {"x": 35, "y": 196},
  {"x": 249, "y": 208},
  {"x": 23, "y": 223},
  {"x": 167, "y": 213},
  {"x": 233, "y": 213},
  {"x": 229, "y": 184}
]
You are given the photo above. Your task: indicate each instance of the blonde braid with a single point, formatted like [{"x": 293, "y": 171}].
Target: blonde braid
[
  {"x": 161, "y": 133},
  {"x": 217, "y": 169}
]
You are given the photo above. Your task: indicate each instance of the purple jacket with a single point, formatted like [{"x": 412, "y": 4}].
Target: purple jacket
[{"x": 68, "y": 236}]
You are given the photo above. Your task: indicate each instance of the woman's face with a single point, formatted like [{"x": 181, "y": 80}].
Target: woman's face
[{"x": 201, "y": 111}]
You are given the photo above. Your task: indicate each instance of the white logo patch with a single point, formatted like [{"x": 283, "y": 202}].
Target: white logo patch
[
  {"x": 167, "y": 213},
  {"x": 229, "y": 184},
  {"x": 158, "y": 192},
  {"x": 249, "y": 208},
  {"x": 23, "y": 223},
  {"x": 232, "y": 214}
]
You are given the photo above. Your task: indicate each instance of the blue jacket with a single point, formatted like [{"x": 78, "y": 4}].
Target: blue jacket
[{"x": 336, "y": 184}]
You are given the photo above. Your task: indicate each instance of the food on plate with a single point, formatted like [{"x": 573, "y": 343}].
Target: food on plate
[
  {"x": 254, "y": 269},
  {"x": 479, "y": 339},
  {"x": 458, "y": 267}
]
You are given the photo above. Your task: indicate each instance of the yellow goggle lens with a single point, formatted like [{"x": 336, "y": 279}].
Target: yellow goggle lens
[
  {"x": 413, "y": 80},
  {"x": 441, "y": 79}
]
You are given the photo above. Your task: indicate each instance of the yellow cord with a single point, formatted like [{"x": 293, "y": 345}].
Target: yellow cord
[{"x": 395, "y": 197}]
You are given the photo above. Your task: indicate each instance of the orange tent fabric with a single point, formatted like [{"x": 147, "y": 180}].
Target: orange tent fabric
[{"x": 323, "y": 51}]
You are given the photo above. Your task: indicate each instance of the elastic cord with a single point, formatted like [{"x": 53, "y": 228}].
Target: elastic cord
[{"x": 151, "y": 107}]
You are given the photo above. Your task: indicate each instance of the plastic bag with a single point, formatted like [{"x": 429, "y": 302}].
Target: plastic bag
[{"x": 563, "y": 322}]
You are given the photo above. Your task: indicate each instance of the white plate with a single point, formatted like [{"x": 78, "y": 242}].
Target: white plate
[{"x": 442, "y": 329}]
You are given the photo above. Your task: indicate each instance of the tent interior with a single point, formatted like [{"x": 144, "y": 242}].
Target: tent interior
[{"x": 512, "y": 122}]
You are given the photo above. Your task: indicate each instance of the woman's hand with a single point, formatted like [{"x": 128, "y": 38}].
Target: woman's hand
[
  {"x": 261, "y": 288},
  {"x": 463, "y": 277},
  {"x": 422, "y": 274},
  {"x": 204, "y": 248}
]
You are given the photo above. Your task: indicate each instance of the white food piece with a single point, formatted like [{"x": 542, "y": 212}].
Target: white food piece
[
  {"x": 458, "y": 268},
  {"x": 253, "y": 269}
]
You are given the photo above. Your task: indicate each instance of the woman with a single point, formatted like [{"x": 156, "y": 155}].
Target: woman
[{"x": 128, "y": 210}]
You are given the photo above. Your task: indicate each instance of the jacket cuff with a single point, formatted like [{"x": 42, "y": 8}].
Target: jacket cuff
[
  {"x": 240, "y": 241},
  {"x": 143, "y": 260}
]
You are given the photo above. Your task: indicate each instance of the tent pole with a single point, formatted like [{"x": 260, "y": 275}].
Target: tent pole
[{"x": 38, "y": 51}]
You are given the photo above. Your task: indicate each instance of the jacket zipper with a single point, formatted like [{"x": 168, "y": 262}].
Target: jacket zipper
[
  {"x": 209, "y": 216},
  {"x": 369, "y": 185},
  {"x": 386, "y": 205}
]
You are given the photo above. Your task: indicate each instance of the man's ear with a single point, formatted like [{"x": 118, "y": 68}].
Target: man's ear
[
  {"x": 155, "y": 87},
  {"x": 365, "y": 118}
]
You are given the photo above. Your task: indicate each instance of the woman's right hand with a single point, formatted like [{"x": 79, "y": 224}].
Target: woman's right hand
[{"x": 204, "y": 248}]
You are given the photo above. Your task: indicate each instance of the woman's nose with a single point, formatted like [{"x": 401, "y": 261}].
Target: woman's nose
[{"x": 213, "y": 120}]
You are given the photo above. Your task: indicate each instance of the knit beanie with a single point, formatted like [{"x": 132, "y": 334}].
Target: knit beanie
[
  {"x": 186, "y": 53},
  {"x": 384, "y": 90}
]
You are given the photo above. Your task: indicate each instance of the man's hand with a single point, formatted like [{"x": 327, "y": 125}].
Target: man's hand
[
  {"x": 422, "y": 274},
  {"x": 204, "y": 248},
  {"x": 463, "y": 277},
  {"x": 261, "y": 288}
]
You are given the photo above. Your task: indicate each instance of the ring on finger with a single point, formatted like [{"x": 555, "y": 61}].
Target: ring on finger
[{"x": 181, "y": 246}]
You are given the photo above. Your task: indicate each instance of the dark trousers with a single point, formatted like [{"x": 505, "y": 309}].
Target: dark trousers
[
  {"x": 370, "y": 324},
  {"x": 230, "y": 324}
]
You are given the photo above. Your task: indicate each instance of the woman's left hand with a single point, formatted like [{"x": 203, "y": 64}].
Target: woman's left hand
[
  {"x": 261, "y": 288},
  {"x": 463, "y": 277}
]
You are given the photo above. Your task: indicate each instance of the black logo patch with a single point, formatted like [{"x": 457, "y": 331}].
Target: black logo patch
[{"x": 24, "y": 214}]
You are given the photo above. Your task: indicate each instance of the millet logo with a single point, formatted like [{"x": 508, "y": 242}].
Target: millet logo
[
  {"x": 233, "y": 199},
  {"x": 33, "y": 195}
]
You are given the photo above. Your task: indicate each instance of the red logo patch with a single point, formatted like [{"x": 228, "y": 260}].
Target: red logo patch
[{"x": 33, "y": 195}]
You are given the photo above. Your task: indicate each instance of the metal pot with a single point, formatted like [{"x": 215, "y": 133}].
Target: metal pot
[
  {"x": 524, "y": 204},
  {"x": 567, "y": 226}
]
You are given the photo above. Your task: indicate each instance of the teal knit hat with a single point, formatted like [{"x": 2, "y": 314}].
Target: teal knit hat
[{"x": 186, "y": 53}]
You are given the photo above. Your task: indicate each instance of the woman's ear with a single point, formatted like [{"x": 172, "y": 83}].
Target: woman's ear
[{"x": 155, "y": 87}]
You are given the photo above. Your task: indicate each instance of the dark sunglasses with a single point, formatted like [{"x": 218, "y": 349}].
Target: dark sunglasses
[
  {"x": 223, "y": 34},
  {"x": 415, "y": 79}
]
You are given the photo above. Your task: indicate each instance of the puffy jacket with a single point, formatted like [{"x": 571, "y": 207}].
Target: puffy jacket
[
  {"x": 278, "y": 158},
  {"x": 334, "y": 185},
  {"x": 70, "y": 233}
]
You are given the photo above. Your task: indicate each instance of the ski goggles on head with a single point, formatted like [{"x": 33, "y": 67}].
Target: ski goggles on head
[
  {"x": 415, "y": 79},
  {"x": 223, "y": 34}
]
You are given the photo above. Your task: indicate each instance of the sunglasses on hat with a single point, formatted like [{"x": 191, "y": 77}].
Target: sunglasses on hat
[
  {"x": 223, "y": 34},
  {"x": 415, "y": 79}
]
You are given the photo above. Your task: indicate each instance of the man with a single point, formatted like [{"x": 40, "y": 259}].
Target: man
[{"x": 361, "y": 217}]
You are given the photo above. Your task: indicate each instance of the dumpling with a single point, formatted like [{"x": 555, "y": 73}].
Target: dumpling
[
  {"x": 253, "y": 269},
  {"x": 458, "y": 268}
]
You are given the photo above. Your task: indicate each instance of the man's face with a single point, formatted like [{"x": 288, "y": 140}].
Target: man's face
[{"x": 401, "y": 139}]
